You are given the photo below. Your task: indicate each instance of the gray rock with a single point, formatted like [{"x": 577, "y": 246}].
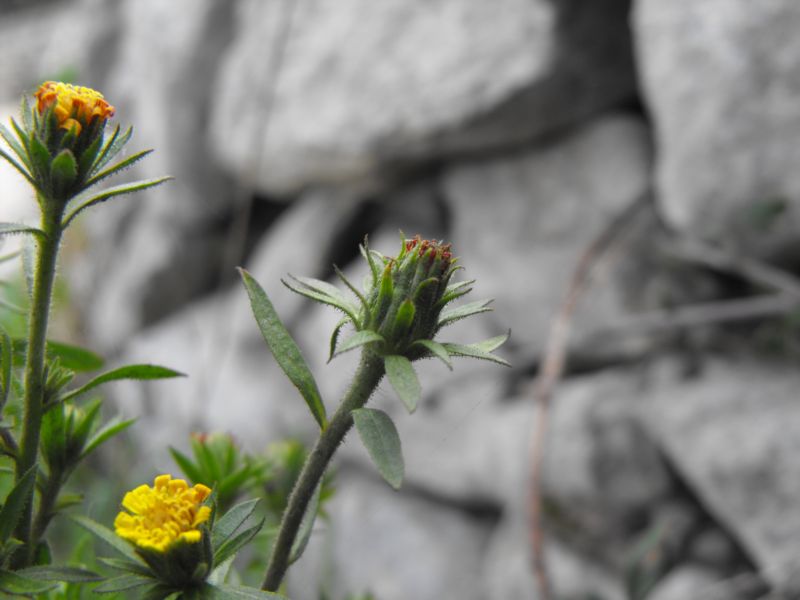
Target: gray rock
[
  {"x": 695, "y": 582},
  {"x": 395, "y": 545},
  {"x": 734, "y": 435},
  {"x": 508, "y": 574},
  {"x": 521, "y": 223},
  {"x": 721, "y": 81},
  {"x": 365, "y": 85}
]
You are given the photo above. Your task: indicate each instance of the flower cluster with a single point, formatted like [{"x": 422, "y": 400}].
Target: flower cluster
[
  {"x": 164, "y": 514},
  {"x": 73, "y": 106}
]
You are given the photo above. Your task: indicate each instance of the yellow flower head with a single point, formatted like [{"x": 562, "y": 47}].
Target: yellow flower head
[
  {"x": 161, "y": 515},
  {"x": 73, "y": 105}
]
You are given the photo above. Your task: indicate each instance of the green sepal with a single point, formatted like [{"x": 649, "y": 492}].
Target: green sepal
[
  {"x": 324, "y": 292},
  {"x": 121, "y": 564},
  {"x": 284, "y": 348},
  {"x": 107, "y": 194},
  {"x": 369, "y": 255},
  {"x": 404, "y": 317},
  {"x": 40, "y": 161},
  {"x": 358, "y": 339},
  {"x": 404, "y": 380},
  {"x": 63, "y": 172},
  {"x": 112, "y": 148},
  {"x": 123, "y": 583},
  {"x": 60, "y": 573},
  {"x": 450, "y": 315},
  {"x": 16, "y": 584},
  {"x": 108, "y": 536},
  {"x": 379, "y": 436},
  {"x": 454, "y": 291},
  {"x": 89, "y": 156},
  {"x": 139, "y": 372},
  {"x": 306, "y": 526},
  {"x": 15, "y": 503},
  {"x": 436, "y": 349},
  {"x": 351, "y": 287}
]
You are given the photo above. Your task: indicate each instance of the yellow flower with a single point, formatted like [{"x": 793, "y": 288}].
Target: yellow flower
[
  {"x": 164, "y": 514},
  {"x": 73, "y": 105}
]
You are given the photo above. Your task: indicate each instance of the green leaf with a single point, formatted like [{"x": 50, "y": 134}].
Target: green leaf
[
  {"x": 321, "y": 291},
  {"x": 74, "y": 358},
  {"x": 237, "y": 592},
  {"x": 456, "y": 313},
  {"x": 121, "y": 564},
  {"x": 14, "y": 144},
  {"x": 112, "y": 148},
  {"x": 113, "y": 427},
  {"x": 284, "y": 348},
  {"x": 358, "y": 339},
  {"x": 123, "y": 583},
  {"x": 6, "y": 361},
  {"x": 186, "y": 465},
  {"x": 230, "y": 522},
  {"x": 107, "y": 194},
  {"x": 492, "y": 344},
  {"x": 108, "y": 536},
  {"x": 18, "y": 228},
  {"x": 437, "y": 350},
  {"x": 120, "y": 166},
  {"x": 59, "y": 573},
  {"x": 478, "y": 350},
  {"x": 15, "y": 503},
  {"x": 306, "y": 526},
  {"x": 455, "y": 290},
  {"x": 404, "y": 380},
  {"x": 351, "y": 287},
  {"x": 232, "y": 545},
  {"x": 143, "y": 372},
  {"x": 335, "y": 337},
  {"x": 379, "y": 435},
  {"x": 13, "y": 583},
  {"x": 18, "y": 167},
  {"x": 64, "y": 170}
]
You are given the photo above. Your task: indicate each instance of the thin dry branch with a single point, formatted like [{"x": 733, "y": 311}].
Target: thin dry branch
[{"x": 550, "y": 371}]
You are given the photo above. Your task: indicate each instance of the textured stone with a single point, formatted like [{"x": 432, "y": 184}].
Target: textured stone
[
  {"x": 363, "y": 85},
  {"x": 521, "y": 223},
  {"x": 721, "y": 82},
  {"x": 733, "y": 433},
  {"x": 395, "y": 545}
]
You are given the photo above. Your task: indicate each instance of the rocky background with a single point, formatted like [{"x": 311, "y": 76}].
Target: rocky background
[{"x": 518, "y": 130}]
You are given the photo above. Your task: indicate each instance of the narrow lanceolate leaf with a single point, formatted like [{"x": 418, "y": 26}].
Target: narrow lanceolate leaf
[
  {"x": 127, "y": 372},
  {"x": 436, "y": 349},
  {"x": 123, "y": 583},
  {"x": 6, "y": 361},
  {"x": 236, "y": 592},
  {"x": 14, "y": 144},
  {"x": 23, "y": 171},
  {"x": 59, "y": 573},
  {"x": 306, "y": 526},
  {"x": 380, "y": 438},
  {"x": 284, "y": 348},
  {"x": 233, "y": 544},
  {"x": 113, "y": 427},
  {"x": 358, "y": 339},
  {"x": 335, "y": 337},
  {"x": 230, "y": 522},
  {"x": 121, "y": 564},
  {"x": 477, "y": 351},
  {"x": 322, "y": 291},
  {"x": 107, "y": 194},
  {"x": 15, "y": 503},
  {"x": 115, "y": 143},
  {"x": 186, "y": 465},
  {"x": 455, "y": 290},
  {"x": 492, "y": 344},
  {"x": 18, "y": 229},
  {"x": 456, "y": 313},
  {"x": 15, "y": 584},
  {"x": 75, "y": 358},
  {"x": 120, "y": 166},
  {"x": 404, "y": 380},
  {"x": 108, "y": 536}
]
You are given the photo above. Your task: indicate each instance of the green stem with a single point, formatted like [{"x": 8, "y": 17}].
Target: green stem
[
  {"x": 47, "y": 502},
  {"x": 44, "y": 276},
  {"x": 366, "y": 379}
]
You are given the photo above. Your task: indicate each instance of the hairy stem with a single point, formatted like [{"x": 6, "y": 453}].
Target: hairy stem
[
  {"x": 369, "y": 374},
  {"x": 44, "y": 276}
]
